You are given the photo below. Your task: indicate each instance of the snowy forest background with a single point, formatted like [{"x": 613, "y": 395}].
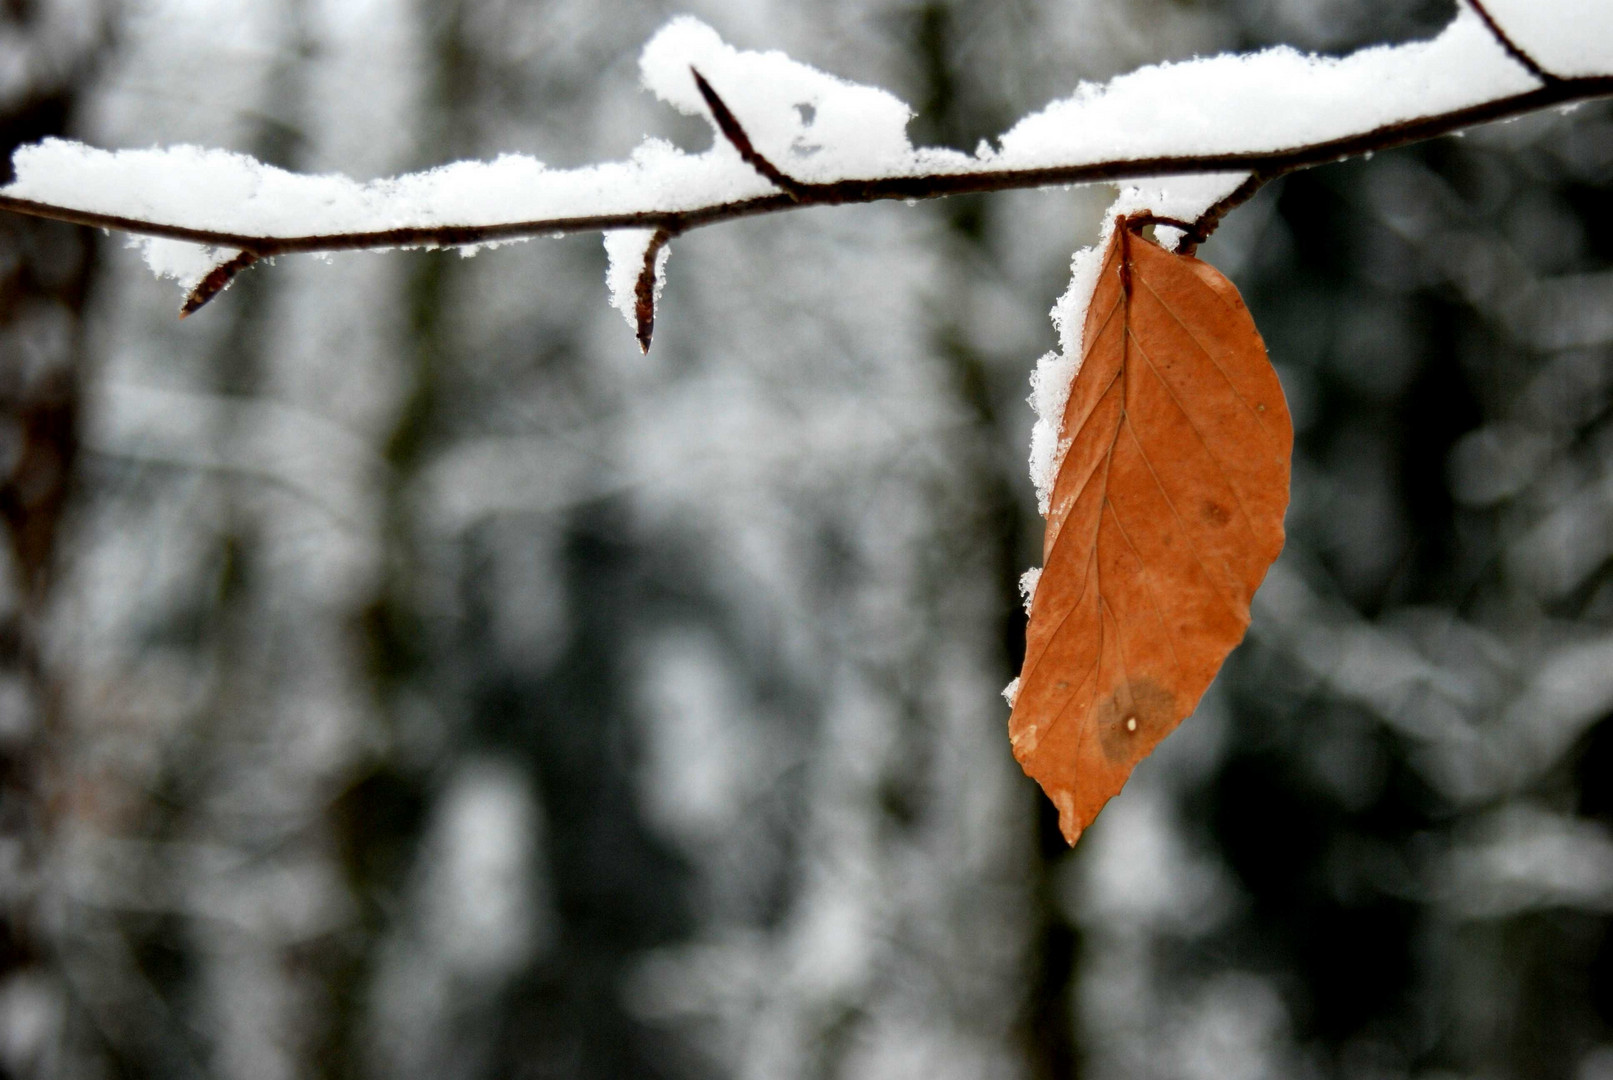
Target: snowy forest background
[{"x": 403, "y": 677}]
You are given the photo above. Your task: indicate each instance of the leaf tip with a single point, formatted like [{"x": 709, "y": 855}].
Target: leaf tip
[{"x": 1069, "y": 825}]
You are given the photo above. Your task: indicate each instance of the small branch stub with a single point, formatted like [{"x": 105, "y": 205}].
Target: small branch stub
[
  {"x": 734, "y": 132},
  {"x": 1512, "y": 48},
  {"x": 217, "y": 280},
  {"x": 644, "y": 291}
]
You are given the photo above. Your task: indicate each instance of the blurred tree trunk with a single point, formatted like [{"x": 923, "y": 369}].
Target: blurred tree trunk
[{"x": 44, "y": 277}]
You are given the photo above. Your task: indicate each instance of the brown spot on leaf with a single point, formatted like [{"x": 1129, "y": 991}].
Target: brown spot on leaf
[{"x": 1133, "y": 719}]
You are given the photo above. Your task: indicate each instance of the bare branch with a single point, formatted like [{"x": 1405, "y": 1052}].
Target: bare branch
[
  {"x": 1209, "y": 220},
  {"x": 731, "y": 129},
  {"x": 217, "y": 280},
  {"x": 1501, "y": 37},
  {"x": 644, "y": 290},
  {"x": 1266, "y": 164}
]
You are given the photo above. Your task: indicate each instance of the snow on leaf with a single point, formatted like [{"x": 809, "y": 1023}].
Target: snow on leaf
[{"x": 1186, "y": 198}]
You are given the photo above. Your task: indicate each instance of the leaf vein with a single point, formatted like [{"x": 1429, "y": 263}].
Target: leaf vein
[
  {"x": 1187, "y": 534},
  {"x": 1259, "y": 419},
  {"x": 1148, "y": 575},
  {"x": 1209, "y": 452}
]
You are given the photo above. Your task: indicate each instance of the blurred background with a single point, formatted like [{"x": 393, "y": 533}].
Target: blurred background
[{"x": 400, "y": 676}]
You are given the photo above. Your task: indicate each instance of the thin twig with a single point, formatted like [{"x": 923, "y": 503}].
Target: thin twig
[
  {"x": 217, "y": 280},
  {"x": 1211, "y": 219},
  {"x": 1198, "y": 230},
  {"x": 644, "y": 290},
  {"x": 1511, "y": 47},
  {"x": 734, "y": 132},
  {"x": 1268, "y": 164}
]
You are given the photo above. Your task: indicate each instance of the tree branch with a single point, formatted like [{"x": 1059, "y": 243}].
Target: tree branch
[
  {"x": 1505, "y": 41},
  {"x": 1208, "y": 221},
  {"x": 730, "y": 127},
  {"x": 644, "y": 289},
  {"x": 217, "y": 280},
  {"x": 1266, "y": 165}
]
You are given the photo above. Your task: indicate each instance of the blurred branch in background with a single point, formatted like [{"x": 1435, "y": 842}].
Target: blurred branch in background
[{"x": 44, "y": 277}]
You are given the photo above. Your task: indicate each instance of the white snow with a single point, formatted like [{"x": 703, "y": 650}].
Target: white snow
[
  {"x": 1268, "y": 100},
  {"x": 819, "y": 128},
  {"x": 813, "y": 126},
  {"x": 185, "y": 263},
  {"x": 1027, "y": 585},
  {"x": 1184, "y": 198},
  {"x": 236, "y": 194},
  {"x": 1568, "y": 38}
]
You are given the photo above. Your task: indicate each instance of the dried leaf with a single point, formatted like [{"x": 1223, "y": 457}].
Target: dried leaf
[{"x": 1166, "y": 513}]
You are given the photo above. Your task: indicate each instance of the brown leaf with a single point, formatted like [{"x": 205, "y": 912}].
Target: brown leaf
[{"x": 1165, "y": 515}]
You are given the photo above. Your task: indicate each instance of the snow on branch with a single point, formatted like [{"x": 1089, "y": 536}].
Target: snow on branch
[{"x": 789, "y": 136}]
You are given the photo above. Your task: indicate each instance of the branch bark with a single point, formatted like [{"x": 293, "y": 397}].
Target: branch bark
[
  {"x": 644, "y": 290},
  {"x": 734, "y": 132},
  {"x": 217, "y": 280},
  {"x": 1504, "y": 39}
]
